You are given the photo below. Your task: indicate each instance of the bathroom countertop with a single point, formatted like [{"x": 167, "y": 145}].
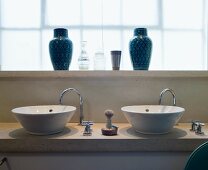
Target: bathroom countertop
[{"x": 13, "y": 138}]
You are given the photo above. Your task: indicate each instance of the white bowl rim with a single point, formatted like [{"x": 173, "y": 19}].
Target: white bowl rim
[
  {"x": 16, "y": 110},
  {"x": 181, "y": 109}
]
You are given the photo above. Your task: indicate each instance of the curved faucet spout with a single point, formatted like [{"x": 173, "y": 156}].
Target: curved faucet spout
[
  {"x": 81, "y": 117},
  {"x": 168, "y": 90}
]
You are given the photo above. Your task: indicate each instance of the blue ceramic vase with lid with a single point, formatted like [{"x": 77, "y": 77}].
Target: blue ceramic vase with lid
[
  {"x": 140, "y": 49},
  {"x": 60, "y": 49}
]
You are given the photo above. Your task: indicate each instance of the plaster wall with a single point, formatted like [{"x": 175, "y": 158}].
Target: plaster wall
[{"x": 104, "y": 91}]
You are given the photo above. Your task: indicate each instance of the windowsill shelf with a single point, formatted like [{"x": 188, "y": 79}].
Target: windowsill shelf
[{"x": 101, "y": 74}]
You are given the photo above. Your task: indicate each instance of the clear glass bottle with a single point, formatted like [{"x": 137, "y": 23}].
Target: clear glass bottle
[
  {"x": 83, "y": 60},
  {"x": 99, "y": 60}
]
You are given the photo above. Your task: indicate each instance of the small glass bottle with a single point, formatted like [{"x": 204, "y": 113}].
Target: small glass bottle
[
  {"x": 99, "y": 60},
  {"x": 83, "y": 60}
]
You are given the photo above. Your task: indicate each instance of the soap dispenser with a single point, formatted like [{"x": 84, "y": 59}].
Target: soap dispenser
[{"x": 110, "y": 129}]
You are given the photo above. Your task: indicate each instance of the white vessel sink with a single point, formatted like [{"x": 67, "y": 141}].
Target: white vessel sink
[
  {"x": 152, "y": 119},
  {"x": 44, "y": 119}
]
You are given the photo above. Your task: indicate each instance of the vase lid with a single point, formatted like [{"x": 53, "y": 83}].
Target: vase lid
[
  {"x": 140, "y": 31},
  {"x": 60, "y": 32}
]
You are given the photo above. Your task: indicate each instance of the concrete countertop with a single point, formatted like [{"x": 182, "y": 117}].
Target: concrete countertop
[{"x": 13, "y": 138}]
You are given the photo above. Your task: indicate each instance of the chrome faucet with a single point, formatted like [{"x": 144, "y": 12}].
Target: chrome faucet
[
  {"x": 81, "y": 116},
  {"x": 168, "y": 90}
]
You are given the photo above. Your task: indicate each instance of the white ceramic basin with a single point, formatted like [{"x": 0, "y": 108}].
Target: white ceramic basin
[
  {"x": 44, "y": 119},
  {"x": 153, "y": 119}
]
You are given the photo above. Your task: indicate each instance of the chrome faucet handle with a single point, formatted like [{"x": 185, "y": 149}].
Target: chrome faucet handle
[
  {"x": 194, "y": 124},
  {"x": 87, "y": 130},
  {"x": 199, "y": 129},
  {"x": 84, "y": 123},
  {"x": 168, "y": 90}
]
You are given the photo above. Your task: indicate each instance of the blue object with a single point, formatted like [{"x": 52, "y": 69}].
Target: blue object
[
  {"x": 60, "y": 49},
  {"x": 140, "y": 49},
  {"x": 198, "y": 159}
]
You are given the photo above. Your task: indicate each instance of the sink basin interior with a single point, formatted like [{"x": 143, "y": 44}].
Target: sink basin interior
[
  {"x": 43, "y": 109},
  {"x": 153, "y": 119},
  {"x": 153, "y": 109}
]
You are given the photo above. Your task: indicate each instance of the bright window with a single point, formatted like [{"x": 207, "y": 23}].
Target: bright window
[{"x": 178, "y": 29}]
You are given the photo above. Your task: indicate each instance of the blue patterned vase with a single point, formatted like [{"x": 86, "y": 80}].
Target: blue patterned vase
[
  {"x": 140, "y": 49},
  {"x": 60, "y": 49}
]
